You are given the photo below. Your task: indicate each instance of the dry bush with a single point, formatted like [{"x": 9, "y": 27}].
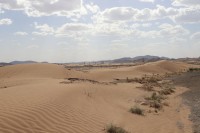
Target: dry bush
[
  {"x": 115, "y": 129},
  {"x": 155, "y": 100},
  {"x": 156, "y": 105},
  {"x": 137, "y": 110},
  {"x": 155, "y": 97},
  {"x": 166, "y": 91},
  {"x": 147, "y": 87},
  {"x": 193, "y": 69}
]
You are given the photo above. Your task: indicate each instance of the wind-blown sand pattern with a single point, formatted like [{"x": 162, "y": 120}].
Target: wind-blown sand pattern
[{"x": 33, "y": 100}]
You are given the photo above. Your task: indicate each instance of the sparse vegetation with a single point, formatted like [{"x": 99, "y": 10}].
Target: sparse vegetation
[
  {"x": 166, "y": 91},
  {"x": 147, "y": 87},
  {"x": 148, "y": 79},
  {"x": 156, "y": 104},
  {"x": 155, "y": 100},
  {"x": 193, "y": 69},
  {"x": 153, "y": 79},
  {"x": 155, "y": 97},
  {"x": 115, "y": 129},
  {"x": 137, "y": 110}
]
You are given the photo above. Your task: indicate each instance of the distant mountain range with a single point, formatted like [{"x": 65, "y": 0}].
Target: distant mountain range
[
  {"x": 16, "y": 62},
  {"x": 4, "y": 64},
  {"x": 22, "y": 62},
  {"x": 145, "y": 58}
]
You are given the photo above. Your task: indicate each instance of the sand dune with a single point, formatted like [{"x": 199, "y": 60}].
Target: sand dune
[
  {"x": 160, "y": 67},
  {"x": 163, "y": 67},
  {"x": 34, "y": 101},
  {"x": 36, "y": 71}
]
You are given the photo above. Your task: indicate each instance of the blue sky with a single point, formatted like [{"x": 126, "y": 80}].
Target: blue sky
[{"x": 88, "y": 30}]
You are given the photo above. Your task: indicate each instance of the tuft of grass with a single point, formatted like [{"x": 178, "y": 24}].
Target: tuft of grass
[
  {"x": 115, "y": 129},
  {"x": 137, "y": 110}
]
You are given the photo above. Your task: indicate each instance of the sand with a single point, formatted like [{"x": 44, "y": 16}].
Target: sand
[{"x": 33, "y": 99}]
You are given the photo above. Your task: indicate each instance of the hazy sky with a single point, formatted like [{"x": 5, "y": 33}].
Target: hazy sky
[{"x": 86, "y": 30}]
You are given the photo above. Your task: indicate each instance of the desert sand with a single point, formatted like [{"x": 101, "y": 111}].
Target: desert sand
[{"x": 34, "y": 98}]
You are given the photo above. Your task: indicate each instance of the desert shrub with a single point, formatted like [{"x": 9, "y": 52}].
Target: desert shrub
[
  {"x": 153, "y": 79},
  {"x": 137, "y": 110},
  {"x": 155, "y": 97},
  {"x": 193, "y": 69},
  {"x": 155, "y": 100},
  {"x": 147, "y": 87},
  {"x": 156, "y": 105},
  {"x": 115, "y": 129},
  {"x": 166, "y": 91}
]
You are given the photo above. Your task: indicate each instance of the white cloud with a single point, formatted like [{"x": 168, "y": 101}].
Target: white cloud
[
  {"x": 39, "y": 33},
  {"x": 125, "y": 14},
  {"x": 12, "y": 4},
  {"x": 195, "y": 36},
  {"x": 187, "y": 3},
  {"x": 20, "y": 33},
  {"x": 119, "y": 13},
  {"x": 76, "y": 31},
  {"x": 172, "y": 30},
  {"x": 147, "y": 0},
  {"x": 72, "y": 30},
  {"x": 5, "y": 21},
  {"x": 92, "y": 7},
  {"x": 188, "y": 15},
  {"x": 39, "y": 8},
  {"x": 160, "y": 12},
  {"x": 73, "y": 27},
  {"x": 129, "y": 14},
  {"x": 44, "y": 29}
]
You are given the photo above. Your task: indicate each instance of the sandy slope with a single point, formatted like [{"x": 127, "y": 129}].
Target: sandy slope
[
  {"x": 32, "y": 100},
  {"x": 160, "y": 67},
  {"x": 34, "y": 71}
]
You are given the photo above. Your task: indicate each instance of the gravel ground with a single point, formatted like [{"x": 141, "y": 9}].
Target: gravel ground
[{"x": 191, "y": 80}]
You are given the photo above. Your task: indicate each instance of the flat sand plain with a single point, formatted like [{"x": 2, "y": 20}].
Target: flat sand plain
[{"x": 38, "y": 98}]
